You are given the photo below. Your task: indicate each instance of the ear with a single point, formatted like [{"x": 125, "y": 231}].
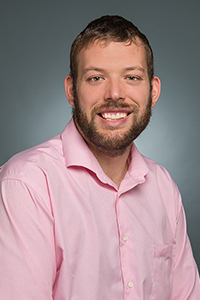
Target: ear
[
  {"x": 156, "y": 88},
  {"x": 69, "y": 89}
]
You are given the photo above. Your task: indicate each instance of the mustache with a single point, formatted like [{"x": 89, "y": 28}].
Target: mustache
[{"x": 113, "y": 105}]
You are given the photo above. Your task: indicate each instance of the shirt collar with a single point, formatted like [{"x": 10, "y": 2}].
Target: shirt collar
[
  {"x": 137, "y": 171},
  {"x": 75, "y": 149},
  {"x": 138, "y": 167}
]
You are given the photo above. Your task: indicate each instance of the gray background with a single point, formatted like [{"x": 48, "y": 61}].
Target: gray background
[{"x": 35, "y": 38}]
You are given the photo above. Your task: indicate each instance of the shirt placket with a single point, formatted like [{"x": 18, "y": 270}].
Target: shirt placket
[{"x": 124, "y": 251}]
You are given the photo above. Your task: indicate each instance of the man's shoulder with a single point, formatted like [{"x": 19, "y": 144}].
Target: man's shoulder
[
  {"x": 34, "y": 159},
  {"x": 146, "y": 165},
  {"x": 161, "y": 176},
  {"x": 155, "y": 167}
]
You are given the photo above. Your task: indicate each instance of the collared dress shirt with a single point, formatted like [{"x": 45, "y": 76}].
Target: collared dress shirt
[{"x": 68, "y": 233}]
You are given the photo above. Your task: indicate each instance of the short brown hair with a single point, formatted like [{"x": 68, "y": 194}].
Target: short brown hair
[{"x": 109, "y": 28}]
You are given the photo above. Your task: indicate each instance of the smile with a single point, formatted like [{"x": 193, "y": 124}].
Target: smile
[{"x": 114, "y": 116}]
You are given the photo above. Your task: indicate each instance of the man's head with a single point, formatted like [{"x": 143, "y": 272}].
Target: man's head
[
  {"x": 109, "y": 29},
  {"x": 111, "y": 85}
]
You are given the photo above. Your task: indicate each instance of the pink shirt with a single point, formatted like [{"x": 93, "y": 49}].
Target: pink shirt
[{"x": 68, "y": 233}]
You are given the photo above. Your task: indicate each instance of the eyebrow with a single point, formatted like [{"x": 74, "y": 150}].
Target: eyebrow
[
  {"x": 93, "y": 69},
  {"x": 139, "y": 68}
]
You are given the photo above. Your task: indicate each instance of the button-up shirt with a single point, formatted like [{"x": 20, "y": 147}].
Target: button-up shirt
[{"x": 67, "y": 232}]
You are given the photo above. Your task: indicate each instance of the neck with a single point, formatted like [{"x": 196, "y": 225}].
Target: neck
[{"x": 114, "y": 167}]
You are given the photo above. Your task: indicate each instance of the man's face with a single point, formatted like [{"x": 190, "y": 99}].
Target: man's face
[{"x": 112, "y": 99}]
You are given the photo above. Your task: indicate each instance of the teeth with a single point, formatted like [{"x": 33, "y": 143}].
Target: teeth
[{"x": 114, "y": 116}]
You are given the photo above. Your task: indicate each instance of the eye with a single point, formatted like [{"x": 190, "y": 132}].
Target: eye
[
  {"x": 95, "y": 78},
  {"x": 132, "y": 78}
]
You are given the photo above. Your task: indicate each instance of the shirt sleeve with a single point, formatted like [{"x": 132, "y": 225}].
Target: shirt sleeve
[
  {"x": 27, "y": 251},
  {"x": 186, "y": 283}
]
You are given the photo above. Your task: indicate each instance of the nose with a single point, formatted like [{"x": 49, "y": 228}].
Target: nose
[{"x": 114, "y": 90}]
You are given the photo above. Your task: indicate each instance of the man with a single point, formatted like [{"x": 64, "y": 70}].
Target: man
[{"x": 85, "y": 215}]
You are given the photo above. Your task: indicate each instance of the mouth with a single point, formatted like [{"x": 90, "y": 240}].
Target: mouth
[{"x": 113, "y": 115}]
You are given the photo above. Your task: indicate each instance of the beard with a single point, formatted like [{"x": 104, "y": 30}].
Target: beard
[{"x": 112, "y": 145}]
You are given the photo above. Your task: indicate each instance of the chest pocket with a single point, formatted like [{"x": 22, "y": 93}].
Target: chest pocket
[{"x": 162, "y": 271}]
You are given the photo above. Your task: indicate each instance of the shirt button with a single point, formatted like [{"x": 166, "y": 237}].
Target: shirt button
[
  {"x": 125, "y": 238},
  {"x": 130, "y": 284}
]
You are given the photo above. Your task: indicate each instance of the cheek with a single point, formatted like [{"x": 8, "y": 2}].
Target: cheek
[
  {"x": 89, "y": 97},
  {"x": 140, "y": 97}
]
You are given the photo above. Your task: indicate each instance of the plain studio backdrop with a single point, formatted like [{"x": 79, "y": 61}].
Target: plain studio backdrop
[{"x": 34, "y": 59}]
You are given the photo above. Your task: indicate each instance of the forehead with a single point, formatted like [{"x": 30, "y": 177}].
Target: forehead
[{"x": 113, "y": 54}]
